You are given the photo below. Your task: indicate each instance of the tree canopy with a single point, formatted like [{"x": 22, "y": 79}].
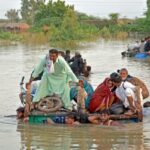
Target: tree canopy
[
  {"x": 12, "y": 15},
  {"x": 29, "y": 8}
]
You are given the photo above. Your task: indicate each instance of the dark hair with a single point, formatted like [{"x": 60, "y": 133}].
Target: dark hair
[
  {"x": 142, "y": 40},
  {"x": 105, "y": 111},
  {"x": 53, "y": 51},
  {"x": 114, "y": 77},
  {"x": 118, "y": 70},
  {"x": 67, "y": 51},
  {"x": 20, "y": 109},
  {"x": 88, "y": 68},
  {"x": 146, "y": 38},
  {"x": 72, "y": 116}
]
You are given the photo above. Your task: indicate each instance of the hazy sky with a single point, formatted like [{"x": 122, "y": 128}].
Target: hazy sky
[{"x": 101, "y": 8}]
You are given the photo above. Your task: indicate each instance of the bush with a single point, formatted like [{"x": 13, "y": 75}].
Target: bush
[
  {"x": 10, "y": 36},
  {"x": 105, "y": 33}
]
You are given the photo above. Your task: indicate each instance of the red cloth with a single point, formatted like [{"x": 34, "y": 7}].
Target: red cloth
[{"x": 101, "y": 96}]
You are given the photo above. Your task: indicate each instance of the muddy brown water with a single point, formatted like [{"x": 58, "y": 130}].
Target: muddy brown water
[{"x": 104, "y": 57}]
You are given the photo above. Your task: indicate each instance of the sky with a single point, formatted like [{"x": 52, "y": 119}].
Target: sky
[{"x": 100, "y": 8}]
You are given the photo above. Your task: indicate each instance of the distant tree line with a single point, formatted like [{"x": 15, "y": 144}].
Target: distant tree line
[{"x": 61, "y": 23}]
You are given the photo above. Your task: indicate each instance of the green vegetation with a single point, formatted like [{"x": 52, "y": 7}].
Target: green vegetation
[
  {"x": 61, "y": 26},
  {"x": 140, "y": 25},
  {"x": 64, "y": 26},
  {"x": 9, "y": 36}
]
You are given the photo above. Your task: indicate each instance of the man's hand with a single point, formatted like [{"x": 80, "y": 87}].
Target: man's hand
[
  {"x": 28, "y": 85},
  {"x": 81, "y": 83}
]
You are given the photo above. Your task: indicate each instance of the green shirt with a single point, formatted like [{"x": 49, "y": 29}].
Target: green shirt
[{"x": 56, "y": 82}]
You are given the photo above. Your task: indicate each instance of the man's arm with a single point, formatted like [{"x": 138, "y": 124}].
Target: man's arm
[
  {"x": 68, "y": 70},
  {"x": 94, "y": 119},
  {"x": 38, "y": 69}
]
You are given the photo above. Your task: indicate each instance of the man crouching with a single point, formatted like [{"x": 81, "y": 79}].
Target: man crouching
[{"x": 129, "y": 95}]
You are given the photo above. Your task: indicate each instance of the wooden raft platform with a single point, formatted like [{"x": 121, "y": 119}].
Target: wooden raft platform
[{"x": 39, "y": 117}]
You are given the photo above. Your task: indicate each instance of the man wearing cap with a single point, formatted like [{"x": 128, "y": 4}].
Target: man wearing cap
[{"x": 129, "y": 94}]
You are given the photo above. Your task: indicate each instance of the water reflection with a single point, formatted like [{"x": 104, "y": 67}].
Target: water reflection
[{"x": 83, "y": 137}]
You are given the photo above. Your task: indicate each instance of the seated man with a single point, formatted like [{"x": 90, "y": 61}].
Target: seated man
[
  {"x": 67, "y": 56},
  {"x": 129, "y": 95},
  {"x": 135, "y": 81},
  {"x": 77, "y": 64},
  {"x": 147, "y": 45},
  {"x": 134, "y": 47}
]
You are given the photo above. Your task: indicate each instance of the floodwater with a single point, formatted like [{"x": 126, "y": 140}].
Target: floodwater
[{"x": 104, "y": 57}]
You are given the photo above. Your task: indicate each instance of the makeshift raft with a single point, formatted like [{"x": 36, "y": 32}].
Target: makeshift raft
[
  {"x": 136, "y": 55},
  {"x": 40, "y": 117},
  {"x": 51, "y": 107}
]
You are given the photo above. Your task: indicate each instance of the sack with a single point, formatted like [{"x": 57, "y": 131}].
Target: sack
[{"x": 137, "y": 82}]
